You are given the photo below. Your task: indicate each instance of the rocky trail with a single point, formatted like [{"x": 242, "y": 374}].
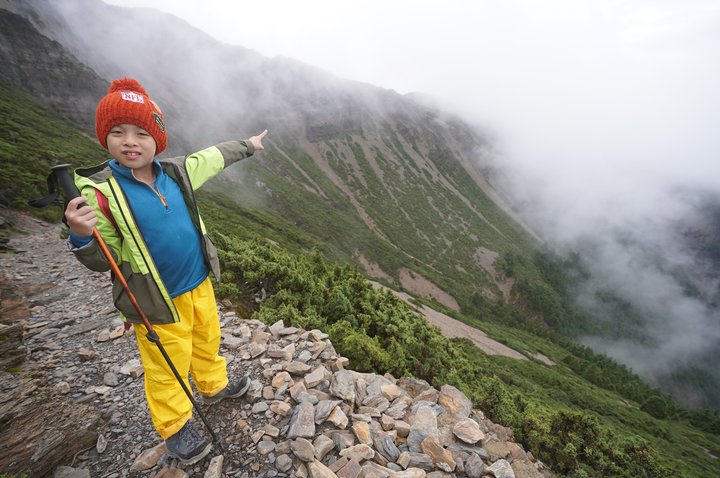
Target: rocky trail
[{"x": 72, "y": 402}]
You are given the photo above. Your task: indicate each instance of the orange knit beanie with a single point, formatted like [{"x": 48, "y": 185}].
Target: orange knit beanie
[{"x": 127, "y": 102}]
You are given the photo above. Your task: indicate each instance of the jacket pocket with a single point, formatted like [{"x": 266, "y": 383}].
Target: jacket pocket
[
  {"x": 212, "y": 256},
  {"x": 148, "y": 296}
]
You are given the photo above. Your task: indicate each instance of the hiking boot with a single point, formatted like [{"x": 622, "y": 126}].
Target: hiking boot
[
  {"x": 233, "y": 390},
  {"x": 188, "y": 445}
]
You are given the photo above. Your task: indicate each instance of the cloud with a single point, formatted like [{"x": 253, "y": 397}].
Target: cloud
[{"x": 602, "y": 111}]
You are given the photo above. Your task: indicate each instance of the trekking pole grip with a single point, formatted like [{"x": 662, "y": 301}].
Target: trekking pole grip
[{"x": 65, "y": 181}]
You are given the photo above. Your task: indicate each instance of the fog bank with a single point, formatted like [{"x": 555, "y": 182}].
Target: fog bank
[{"x": 605, "y": 116}]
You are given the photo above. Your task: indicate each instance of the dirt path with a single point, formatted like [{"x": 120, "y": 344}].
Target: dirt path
[{"x": 452, "y": 328}]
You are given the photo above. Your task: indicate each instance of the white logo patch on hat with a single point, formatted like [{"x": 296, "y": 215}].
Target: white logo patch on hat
[{"x": 130, "y": 96}]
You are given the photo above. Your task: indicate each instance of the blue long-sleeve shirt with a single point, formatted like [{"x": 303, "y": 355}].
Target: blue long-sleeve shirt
[{"x": 171, "y": 236}]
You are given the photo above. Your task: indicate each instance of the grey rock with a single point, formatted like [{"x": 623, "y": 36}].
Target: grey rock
[
  {"x": 351, "y": 469},
  {"x": 360, "y": 452},
  {"x": 264, "y": 447},
  {"x": 148, "y": 458},
  {"x": 63, "y": 388},
  {"x": 322, "y": 445},
  {"x": 474, "y": 466},
  {"x": 215, "y": 468},
  {"x": 481, "y": 452},
  {"x": 418, "y": 473},
  {"x": 318, "y": 470},
  {"x": 307, "y": 397},
  {"x": 420, "y": 460},
  {"x": 424, "y": 425},
  {"x": 342, "y": 438},
  {"x": 387, "y": 448},
  {"x": 317, "y": 335},
  {"x": 501, "y": 469},
  {"x": 68, "y": 472},
  {"x": 298, "y": 368},
  {"x": 132, "y": 367},
  {"x": 101, "y": 444},
  {"x": 256, "y": 349},
  {"x": 232, "y": 343},
  {"x": 338, "y": 418},
  {"x": 373, "y": 470},
  {"x": 454, "y": 401},
  {"x": 343, "y": 386},
  {"x": 378, "y": 402},
  {"x": 254, "y": 393},
  {"x": 437, "y": 409},
  {"x": 283, "y": 463},
  {"x": 315, "y": 377},
  {"x": 303, "y": 449},
  {"x": 302, "y": 422},
  {"x": 111, "y": 379},
  {"x": 468, "y": 431},
  {"x": 288, "y": 331},
  {"x": 260, "y": 407},
  {"x": 323, "y": 409}
]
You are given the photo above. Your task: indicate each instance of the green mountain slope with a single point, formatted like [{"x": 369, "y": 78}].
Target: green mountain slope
[
  {"x": 377, "y": 177},
  {"x": 377, "y": 205},
  {"x": 578, "y": 428},
  {"x": 32, "y": 140}
]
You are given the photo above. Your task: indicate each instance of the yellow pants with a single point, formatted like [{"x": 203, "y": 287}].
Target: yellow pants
[{"x": 193, "y": 345}]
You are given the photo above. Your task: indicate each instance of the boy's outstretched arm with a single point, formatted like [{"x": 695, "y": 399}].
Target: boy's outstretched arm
[{"x": 203, "y": 165}]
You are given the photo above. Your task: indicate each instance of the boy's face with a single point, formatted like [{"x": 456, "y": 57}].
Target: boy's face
[{"x": 131, "y": 146}]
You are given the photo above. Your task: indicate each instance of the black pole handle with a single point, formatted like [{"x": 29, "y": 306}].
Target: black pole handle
[{"x": 66, "y": 181}]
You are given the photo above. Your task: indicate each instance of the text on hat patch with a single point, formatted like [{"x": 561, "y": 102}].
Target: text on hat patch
[{"x": 130, "y": 96}]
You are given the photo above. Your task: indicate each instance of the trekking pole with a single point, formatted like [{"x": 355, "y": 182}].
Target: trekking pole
[{"x": 71, "y": 192}]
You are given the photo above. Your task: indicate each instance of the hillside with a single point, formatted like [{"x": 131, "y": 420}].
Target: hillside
[
  {"x": 365, "y": 159},
  {"x": 398, "y": 189},
  {"x": 83, "y": 376},
  {"x": 64, "y": 343}
]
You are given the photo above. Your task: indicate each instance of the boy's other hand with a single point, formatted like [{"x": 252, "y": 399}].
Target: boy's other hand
[
  {"x": 81, "y": 221},
  {"x": 257, "y": 140}
]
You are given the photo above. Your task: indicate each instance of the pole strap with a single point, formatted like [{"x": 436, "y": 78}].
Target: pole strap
[{"x": 53, "y": 196}]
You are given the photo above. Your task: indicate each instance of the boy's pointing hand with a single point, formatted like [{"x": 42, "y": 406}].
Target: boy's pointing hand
[{"x": 257, "y": 140}]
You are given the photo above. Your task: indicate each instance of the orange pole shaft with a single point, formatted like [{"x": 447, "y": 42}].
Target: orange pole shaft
[{"x": 118, "y": 275}]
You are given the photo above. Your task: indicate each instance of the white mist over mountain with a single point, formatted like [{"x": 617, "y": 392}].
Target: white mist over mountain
[{"x": 603, "y": 113}]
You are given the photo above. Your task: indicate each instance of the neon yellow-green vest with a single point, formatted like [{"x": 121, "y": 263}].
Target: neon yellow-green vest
[{"x": 127, "y": 243}]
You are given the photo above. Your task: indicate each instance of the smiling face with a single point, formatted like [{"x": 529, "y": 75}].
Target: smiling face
[{"x": 133, "y": 147}]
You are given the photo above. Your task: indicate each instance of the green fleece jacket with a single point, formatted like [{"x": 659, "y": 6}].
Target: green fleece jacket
[{"x": 126, "y": 242}]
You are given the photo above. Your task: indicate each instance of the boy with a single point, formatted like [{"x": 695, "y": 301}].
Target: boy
[{"x": 151, "y": 224}]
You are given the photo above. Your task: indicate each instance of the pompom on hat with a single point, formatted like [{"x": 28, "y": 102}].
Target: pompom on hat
[{"x": 127, "y": 102}]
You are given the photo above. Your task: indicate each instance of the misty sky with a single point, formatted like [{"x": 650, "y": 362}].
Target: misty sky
[
  {"x": 611, "y": 103},
  {"x": 601, "y": 110}
]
